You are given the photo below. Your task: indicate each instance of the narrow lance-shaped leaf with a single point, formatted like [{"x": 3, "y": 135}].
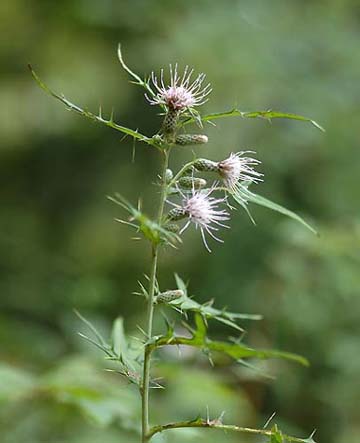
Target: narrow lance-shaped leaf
[
  {"x": 243, "y": 195},
  {"x": 236, "y": 351},
  {"x": 262, "y": 201},
  {"x": 267, "y": 115},
  {"x": 97, "y": 118}
]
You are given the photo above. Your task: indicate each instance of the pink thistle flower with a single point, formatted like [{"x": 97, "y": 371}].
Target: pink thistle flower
[
  {"x": 181, "y": 94},
  {"x": 237, "y": 168},
  {"x": 203, "y": 211}
]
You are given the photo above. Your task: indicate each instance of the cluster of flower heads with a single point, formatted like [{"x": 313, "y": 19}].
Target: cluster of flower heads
[{"x": 198, "y": 205}]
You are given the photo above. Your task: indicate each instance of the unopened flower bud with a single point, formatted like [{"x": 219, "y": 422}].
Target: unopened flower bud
[
  {"x": 191, "y": 139},
  {"x": 192, "y": 182},
  {"x": 205, "y": 165},
  {"x": 176, "y": 214},
  {"x": 168, "y": 176},
  {"x": 168, "y": 296}
]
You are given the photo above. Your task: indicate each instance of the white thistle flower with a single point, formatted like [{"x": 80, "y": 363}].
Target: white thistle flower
[
  {"x": 237, "y": 168},
  {"x": 203, "y": 211},
  {"x": 181, "y": 94}
]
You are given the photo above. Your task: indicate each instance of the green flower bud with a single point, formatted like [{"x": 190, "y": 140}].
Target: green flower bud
[
  {"x": 168, "y": 296},
  {"x": 205, "y": 165},
  {"x": 191, "y": 139},
  {"x": 192, "y": 182},
  {"x": 176, "y": 214}
]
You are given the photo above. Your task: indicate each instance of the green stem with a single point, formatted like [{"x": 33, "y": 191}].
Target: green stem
[
  {"x": 216, "y": 424},
  {"x": 150, "y": 307},
  {"x": 181, "y": 173}
]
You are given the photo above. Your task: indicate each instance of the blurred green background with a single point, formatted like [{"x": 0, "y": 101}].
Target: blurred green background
[{"x": 60, "y": 248}]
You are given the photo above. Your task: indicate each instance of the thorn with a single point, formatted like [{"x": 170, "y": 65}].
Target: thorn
[
  {"x": 133, "y": 151},
  {"x": 141, "y": 330},
  {"x": 221, "y": 416},
  {"x": 269, "y": 420},
  {"x": 207, "y": 415}
]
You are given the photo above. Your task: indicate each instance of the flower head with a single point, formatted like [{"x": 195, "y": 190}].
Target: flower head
[
  {"x": 203, "y": 211},
  {"x": 237, "y": 168},
  {"x": 181, "y": 94}
]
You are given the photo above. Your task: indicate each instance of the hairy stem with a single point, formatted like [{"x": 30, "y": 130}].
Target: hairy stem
[
  {"x": 150, "y": 307},
  {"x": 216, "y": 424}
]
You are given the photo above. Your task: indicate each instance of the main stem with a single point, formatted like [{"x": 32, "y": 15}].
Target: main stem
[{"x": 150, "y": 306}]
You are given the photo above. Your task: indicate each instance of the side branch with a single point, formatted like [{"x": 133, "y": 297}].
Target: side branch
[
  {"x": 235, "y": 350},
  {"x": 97, "y": 118},
  {"x": 216, "y": 424}
]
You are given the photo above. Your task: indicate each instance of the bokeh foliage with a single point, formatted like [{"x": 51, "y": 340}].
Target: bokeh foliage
[{"x": 60, "y": 248}]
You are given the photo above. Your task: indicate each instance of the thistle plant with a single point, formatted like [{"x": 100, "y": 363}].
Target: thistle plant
[{"x": 202, "y": 194}]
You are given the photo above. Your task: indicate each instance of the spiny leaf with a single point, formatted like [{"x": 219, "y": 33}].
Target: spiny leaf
[
  {"x": 185, "y": 303},
  {"x": 150, "y": 229},
  {"x": 92, "y": 328},
  {"x": 236, "y": 351},
  {"x": 267, "y": 115},
  {"x": 105, "y": 349},
  {"x": 97, "y": 118}
]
